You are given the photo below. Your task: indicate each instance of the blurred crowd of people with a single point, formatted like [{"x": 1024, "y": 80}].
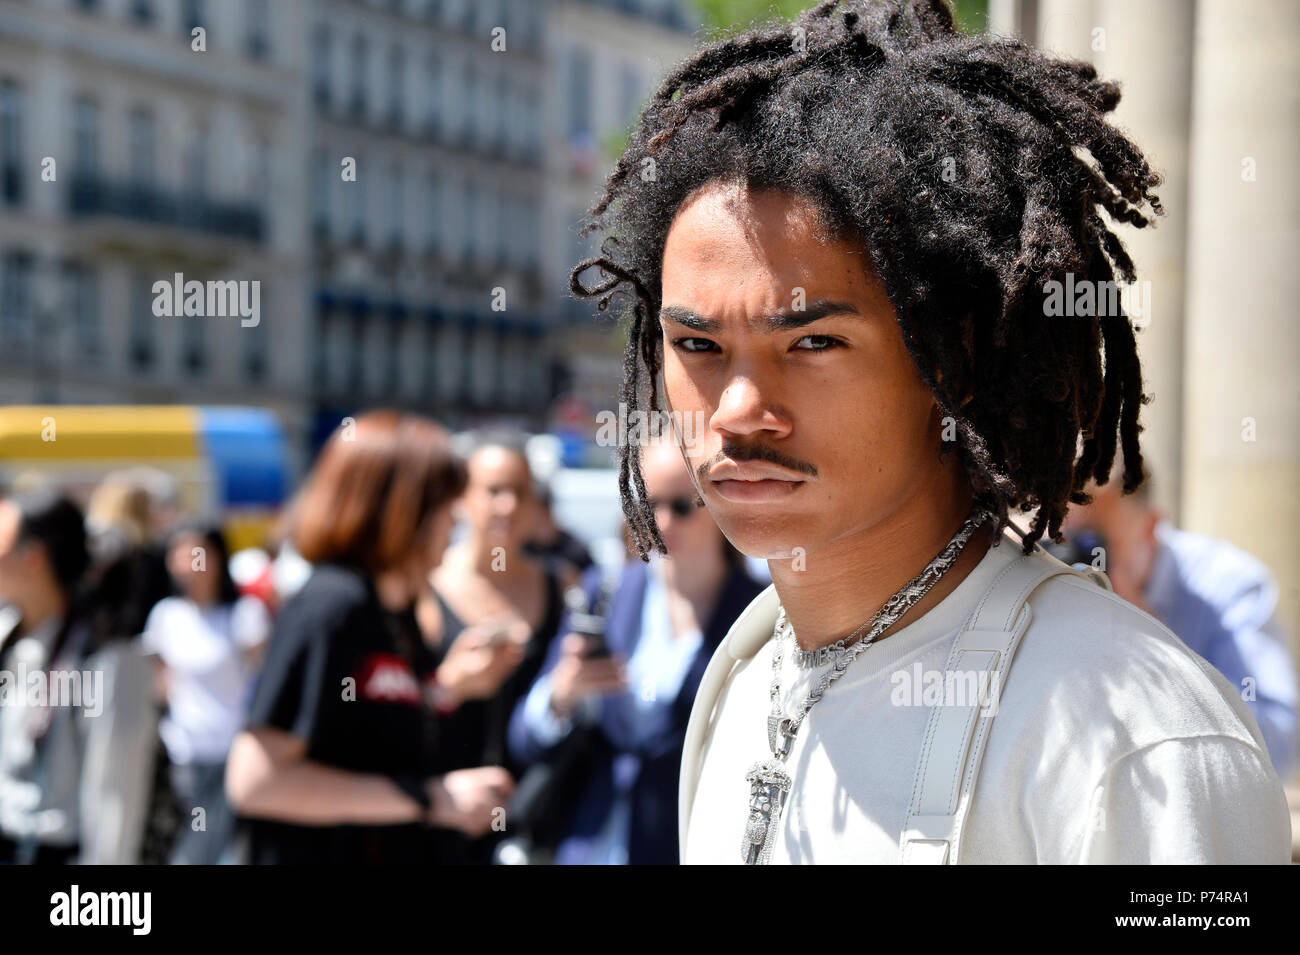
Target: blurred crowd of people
[{"x": 371, "y": 692}]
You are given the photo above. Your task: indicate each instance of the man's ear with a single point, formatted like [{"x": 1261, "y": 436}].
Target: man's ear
[{"x": 1150, "y": 519}]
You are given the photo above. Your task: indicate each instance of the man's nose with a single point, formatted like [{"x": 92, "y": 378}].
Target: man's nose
[{"x": 746, "y": 406}]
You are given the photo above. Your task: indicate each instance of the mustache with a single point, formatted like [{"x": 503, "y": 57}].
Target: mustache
[{"x": 758, "y": 452}]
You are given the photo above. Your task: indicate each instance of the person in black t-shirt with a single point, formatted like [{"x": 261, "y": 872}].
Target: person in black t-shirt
[{"x": 338, "y": 759}]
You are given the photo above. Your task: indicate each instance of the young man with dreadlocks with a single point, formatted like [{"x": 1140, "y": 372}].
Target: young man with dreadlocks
[{"x": 837, "y": 240}]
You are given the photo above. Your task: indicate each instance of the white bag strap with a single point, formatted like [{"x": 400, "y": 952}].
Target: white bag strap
[{"x": 955, "y": 736}]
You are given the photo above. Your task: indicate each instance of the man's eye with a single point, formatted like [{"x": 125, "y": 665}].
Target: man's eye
[
  {"x": 819, "y": 342},
  {"x": 693, "y": 344}
]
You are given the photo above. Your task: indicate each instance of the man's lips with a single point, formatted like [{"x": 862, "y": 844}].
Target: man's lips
[
  {"x": 754, "y": 492},
  {"x": 753, "y": 482},
  {"x": 751, "y": 471}
]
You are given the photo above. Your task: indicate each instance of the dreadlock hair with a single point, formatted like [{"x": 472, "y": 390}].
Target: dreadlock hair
[{"x": 973, "y": 169}]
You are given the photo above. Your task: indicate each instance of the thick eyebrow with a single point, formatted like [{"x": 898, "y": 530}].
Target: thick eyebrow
[{"x": 781, "y": 321}]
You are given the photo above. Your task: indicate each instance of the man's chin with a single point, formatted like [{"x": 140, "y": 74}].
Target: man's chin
[{"x": 766, "y": 542}]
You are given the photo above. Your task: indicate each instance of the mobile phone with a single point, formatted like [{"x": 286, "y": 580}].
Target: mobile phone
[
  {"x": 590, "y": 626},
  {"x": 597, "y": 648}
]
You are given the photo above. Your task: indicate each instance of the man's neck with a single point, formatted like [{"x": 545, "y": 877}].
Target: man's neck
[{"x": 846, "y": 582}]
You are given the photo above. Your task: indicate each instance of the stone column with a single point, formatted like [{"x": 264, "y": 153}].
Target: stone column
[{"x": 1242, "y": 413}]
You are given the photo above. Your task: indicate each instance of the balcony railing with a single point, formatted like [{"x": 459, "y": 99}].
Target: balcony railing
[{"x": 94, "y": 196}]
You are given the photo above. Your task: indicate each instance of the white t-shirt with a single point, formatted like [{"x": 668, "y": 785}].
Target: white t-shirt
[
  {"x": 1112, "y": 743},
  {"x": 208, "y": 678}
]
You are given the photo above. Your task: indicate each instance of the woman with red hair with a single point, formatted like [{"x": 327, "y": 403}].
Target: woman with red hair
[{"x": 334, "y": 763}]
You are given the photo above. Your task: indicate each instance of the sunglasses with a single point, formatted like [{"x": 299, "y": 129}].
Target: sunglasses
[{"x": 680, "y": 506}]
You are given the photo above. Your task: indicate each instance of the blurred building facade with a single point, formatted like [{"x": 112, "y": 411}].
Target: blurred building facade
[
  {"x": 601, "y": 82},
  {"x": 131, "y": 157},
  {"x": 403, "y": 179},
  {"x": 426, "y": 268}
]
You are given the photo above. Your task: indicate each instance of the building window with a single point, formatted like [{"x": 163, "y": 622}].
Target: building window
[
  {"x": 81, "y": 305},
  {"x": 469, "y": 107},
  {"x": 261, "y": 175},
  {"x": 469, "y": 223},
  {"x": 85, "y": 138},
  {"x": 395, "y": 207},
  {"x": 429, "y": 361},
  {"x": 342, "y": 328},
  {"x": 433, "y": 213},
  {"x": 322, "y": 51},
  {"x": 196, "y": 162},
  {"x": 356, "y": 204},
  {"x": 193, "y": 343},
  {"x": 340, "y": 348},
  {"x": 579, "y": 93},
  {"x": 142, "y": 323},
  {"x": 504, "y": 211},
  {"x": 486, "y": 379},
  {"x": 255, "y": 340},
  {"x": 141, "y": 137},
  {"x": 501, "y": 130},
  {"x": 629, "y": 96},
  {"x": 533, "y": 122},
  {"x": 142, "y": 11},
  {"x": 11, "y": 131},
  {"x": 320, "y": 354},
  {"x": 360, "y": 65},
  {"x": 393, "y": 370},
  {"x": 192, "y": 16},
  {"x": 433, "y": 92},
  {"x": 356, "y": 355},
  {"x": 528, "y": 234},
  {"x": 257, "y": 14},
  {"x": 396, "y": 87},
  {"x": 321, "y": 173},
  {"x": 16, "y": 298}
]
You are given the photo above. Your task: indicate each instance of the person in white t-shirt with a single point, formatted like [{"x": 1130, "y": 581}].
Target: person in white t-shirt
[
  {"x": 845, "y": 280},
  {"x": 209, "y": 640}
]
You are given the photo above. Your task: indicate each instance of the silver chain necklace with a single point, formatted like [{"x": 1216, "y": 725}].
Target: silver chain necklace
[
  {"x": 812, "y": 659},
  {"x": 769, "y": 783}
]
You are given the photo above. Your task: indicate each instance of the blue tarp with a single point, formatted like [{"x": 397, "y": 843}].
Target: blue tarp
[{"x": 249, "y": 459}]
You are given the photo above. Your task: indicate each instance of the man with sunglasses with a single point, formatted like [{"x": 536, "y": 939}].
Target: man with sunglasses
[{"x": 634, "y": 686}]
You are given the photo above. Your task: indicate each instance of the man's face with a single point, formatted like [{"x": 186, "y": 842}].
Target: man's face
[
  {"x": 1128, "y": 531},
  {"x": 818, "y": 424},
  {"x": 685, "y": 532}
]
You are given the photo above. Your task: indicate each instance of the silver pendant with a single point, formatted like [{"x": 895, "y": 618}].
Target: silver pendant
[{"x": 769, "y": 785}]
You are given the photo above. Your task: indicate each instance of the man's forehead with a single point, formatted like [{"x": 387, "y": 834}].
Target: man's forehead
[
  {"x": 779, "y": 232},
  {"x": 773, "y": 259}
]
